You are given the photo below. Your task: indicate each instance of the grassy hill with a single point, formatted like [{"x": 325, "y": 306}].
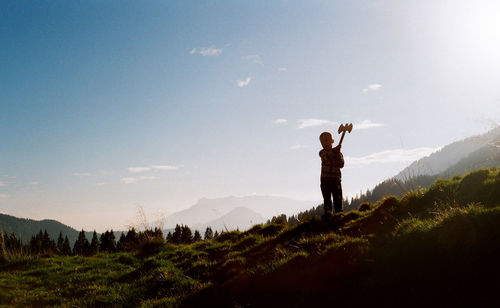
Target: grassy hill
[{"x": 437, "y": 246}]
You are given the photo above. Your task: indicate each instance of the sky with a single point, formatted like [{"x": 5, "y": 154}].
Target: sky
[{"x": 108, "y": 107}]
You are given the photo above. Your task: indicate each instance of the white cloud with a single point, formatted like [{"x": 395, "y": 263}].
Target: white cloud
[
  {"x": 164, "y": 167},
  {"x": 82, "y": 174},
  {"x": 206, "y": 51},
  {"x": 129, "y": 180},
  {"x": 390, "y": 156},
  {"x": 244, "y": 83},
  {"x": 4, "y": 196},
  {"x": 138, "y": 169},
  {"x": 2, "y": 184},
  {"x": 298, "y": 146},
  {"x": 35, "y": 183},
  {"x": 365, "y": 124},
  {"x": 372, "y": 87},
  {"x": 150, "y": 168},
  {"x": 100, "y": 184},
  {"x": 303, "y": 123},
  {"x": 280, "y": 121},
  {"x": 282, "y": 69},
  {"x": 254, "y": 58}
]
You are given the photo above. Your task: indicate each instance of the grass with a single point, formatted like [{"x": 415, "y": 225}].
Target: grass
[{"x": 433, "y": 246}]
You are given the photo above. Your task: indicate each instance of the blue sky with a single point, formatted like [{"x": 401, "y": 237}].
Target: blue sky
[{"x": 107, "y": 106}]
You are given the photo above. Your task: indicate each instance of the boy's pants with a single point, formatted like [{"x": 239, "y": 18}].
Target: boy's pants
[{"x": 332, "y": 187}]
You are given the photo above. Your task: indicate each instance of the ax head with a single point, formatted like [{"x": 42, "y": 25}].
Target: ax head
[{"x": 345, "y": 128}]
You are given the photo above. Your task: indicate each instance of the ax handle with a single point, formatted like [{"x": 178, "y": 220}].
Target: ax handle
[{"x": 342, "y": 138}]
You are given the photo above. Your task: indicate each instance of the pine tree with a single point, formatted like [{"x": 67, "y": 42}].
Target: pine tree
[
  {"x": 209, "y": 234},
  {"x": 112, "y": 242},
  {"x": 197, "y": 236},
  {"x": 187, "y": 235},
  {"x": 169, "y": 237},
  {"x": 94, "y": 244},
  {"x": 66, "y": 248},
  {"x": 81, "y": 246},
  {"x": 120, "y": 246},
  {"x": 60, "y": 243},
  {"x": 176, "y": 237},
  {"x": 216, "y": 234},
  {"x": 108, "y": 243},
  {"x": 132, "y": 240}
]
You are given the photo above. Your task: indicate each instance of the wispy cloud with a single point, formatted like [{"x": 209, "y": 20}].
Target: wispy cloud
[
  {"x": 2, "y": 184},
  {"x": 304, "y": 123},
  {"x": 100, "y": 184},
  {"x": 82, "y": 174},
  {"x": 138, "y": 169},
  {"x": 390, "y": 156},
  {"x": 245, "y": 82},
  {"x": 129, "y": 180},
  {"x": 101, "y": 173},
  {"x": 280, "y": 121},
  {"x": 372, "y": 87},
  {"x": 4, "y": 196},
  {"x": 366, "y": 124},
  {"x": 206, "y": 51},
  {"x": 35, "y": 183},
  {"x": 164, "y": 167},
  {"x": 132, "y": 180},
  {"x": 298, "y": 146},
  {"x": 150, "y": 168},
  {"x": 254, "y": 58},
  {"x": 282, "y": 69}
]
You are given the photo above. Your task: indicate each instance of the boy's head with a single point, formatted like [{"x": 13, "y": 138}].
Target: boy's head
[{"x": 326, "y": 140}]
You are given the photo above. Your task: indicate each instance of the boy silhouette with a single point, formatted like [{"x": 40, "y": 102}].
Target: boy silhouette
[{"x": 331, "y": 162}]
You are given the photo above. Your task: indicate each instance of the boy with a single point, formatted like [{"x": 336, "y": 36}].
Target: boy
[{"x": 331, "y": 162}]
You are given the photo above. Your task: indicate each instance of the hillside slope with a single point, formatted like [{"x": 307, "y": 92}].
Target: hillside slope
[
  {"x": 448, "y": 156},
  {"x": 25, "y": 228},
  {"x": 485, "y": 157},
  {"x": 433, "y": 247}
]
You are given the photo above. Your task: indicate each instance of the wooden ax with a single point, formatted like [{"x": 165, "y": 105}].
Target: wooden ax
[{"x": 342, "y": 129}]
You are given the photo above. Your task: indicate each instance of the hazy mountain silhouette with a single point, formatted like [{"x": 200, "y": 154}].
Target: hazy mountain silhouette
[
  {"x": 240, "y": 217},
  {"x": 485, "y": 156},
  {"x": 24, "y": 228},
  {"x": 206, "y": 210},
  {"x": 448, "y": 156}
]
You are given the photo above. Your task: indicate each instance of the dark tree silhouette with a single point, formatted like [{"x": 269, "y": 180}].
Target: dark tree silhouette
[
  {"x": 66, "y": 248},
  {"x": 81, "y": 246},
  {"x": 209, "y": 234},
  {"x": 197, "y": 236},
  {"x": 187, "y": 235},
  {"x": 60, "y": 243},
  {"x": 94, "y": 244}
]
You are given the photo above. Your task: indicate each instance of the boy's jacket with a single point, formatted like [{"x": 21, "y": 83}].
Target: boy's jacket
[{"x": 331, "y": 162}]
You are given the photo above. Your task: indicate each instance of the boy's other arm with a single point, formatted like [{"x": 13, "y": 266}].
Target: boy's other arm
[{"x": 339, "y": 159}]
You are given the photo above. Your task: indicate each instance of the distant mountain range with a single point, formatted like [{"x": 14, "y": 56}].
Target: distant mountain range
[
  {"x": 243, "y": 212},
  {"x": 231, "y": 212},
  {"x": 452, "y": 154},
  {"x": 457, "y": 158},
  {"x": 24, "y": 228}
]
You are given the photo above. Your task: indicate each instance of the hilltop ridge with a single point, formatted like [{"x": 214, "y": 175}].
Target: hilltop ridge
[{"x": 419, "y": 250}]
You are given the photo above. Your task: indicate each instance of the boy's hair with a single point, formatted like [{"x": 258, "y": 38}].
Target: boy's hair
[{"x": 326, "y": 139}]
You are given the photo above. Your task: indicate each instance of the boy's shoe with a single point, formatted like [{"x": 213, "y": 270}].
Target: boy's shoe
[{"x": 327, "y": 213}]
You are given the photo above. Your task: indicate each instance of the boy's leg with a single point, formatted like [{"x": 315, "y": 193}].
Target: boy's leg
[
  {"x": 337, "y": 195},
  {"x": 327, "y": 195}
]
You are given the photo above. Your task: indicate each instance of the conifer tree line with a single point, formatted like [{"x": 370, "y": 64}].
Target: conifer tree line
[{"x": 42, "y": 244}]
